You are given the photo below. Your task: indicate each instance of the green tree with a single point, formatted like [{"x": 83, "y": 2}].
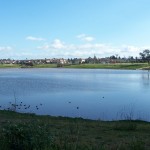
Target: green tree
[
  {"x": 145, "y": 55},
  {"x": 113, "y": 57}
]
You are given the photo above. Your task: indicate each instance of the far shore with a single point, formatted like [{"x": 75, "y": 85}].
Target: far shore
[{"x": 126, "y": 66}]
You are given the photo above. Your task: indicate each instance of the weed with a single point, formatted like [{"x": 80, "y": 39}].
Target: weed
[
  {"x": 127, "y": 125},
  {"x": 136, "y": 145},
  {"x": 26, "y": 136}
]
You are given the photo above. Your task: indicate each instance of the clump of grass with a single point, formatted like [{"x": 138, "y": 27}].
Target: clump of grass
[
  {"x": 128, "y": 125},
  {"x": 26, "y": 136},
  {"x": 136, "y": 145}
]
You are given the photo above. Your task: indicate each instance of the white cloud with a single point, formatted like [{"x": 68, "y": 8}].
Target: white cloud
[
  {"x": 80, "y": 36},
  {"x": 31, "y": 38},
  {"x": 85, "y": 38},
  {"x": 59, "y": 48},
  {"x": 44, "y": 47},
  {"x": 5, "y": 48},
  {"x": 71, "y": 50},
  {"x": 130, "y": 50},
  {"x": 57, "y": 44}
]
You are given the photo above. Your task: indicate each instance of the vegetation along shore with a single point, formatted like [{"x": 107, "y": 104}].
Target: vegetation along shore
[
  {"x": 32, "y": 132},
  {"x": 112, "y": 62},
  {"x": 131, "y": 66}
]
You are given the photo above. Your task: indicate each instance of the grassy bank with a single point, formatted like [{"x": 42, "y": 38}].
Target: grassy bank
[
  {"x": 45, "y": 66},
  {"x": 131, "y": 66},
  {"x": 23, "y": 66},
  {"x": 29, "y": 132},
  {"x": 9, "y": 66}
]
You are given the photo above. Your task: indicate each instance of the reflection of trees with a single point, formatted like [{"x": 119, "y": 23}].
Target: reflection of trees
[{"x": 146, "y": 78}]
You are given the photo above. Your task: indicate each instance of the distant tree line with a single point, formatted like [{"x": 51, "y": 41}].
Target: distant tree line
[{"x": 144, "y": 57}]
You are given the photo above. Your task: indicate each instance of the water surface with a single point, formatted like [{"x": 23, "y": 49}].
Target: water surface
[{"x": 88, "y": 93}]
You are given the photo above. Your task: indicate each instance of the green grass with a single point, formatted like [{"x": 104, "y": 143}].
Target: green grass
[
  {"x": 21, "y": 66},
  {"x": 110, "y": 66},
  {"x": 9, "y": 66},
  {"x": 29, "y": 131},
  {"x": 45, "y": 66},
  {"x": 130, "y": 66}
]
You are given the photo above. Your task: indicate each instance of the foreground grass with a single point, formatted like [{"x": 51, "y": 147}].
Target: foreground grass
[{"x": 31, "y": 132}]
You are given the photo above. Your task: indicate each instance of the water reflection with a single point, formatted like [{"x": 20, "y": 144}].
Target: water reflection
[{"x": 146, "y": 78}]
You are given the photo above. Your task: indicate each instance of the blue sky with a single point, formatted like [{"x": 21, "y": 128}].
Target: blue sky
[{"x": 73, "y": 28}]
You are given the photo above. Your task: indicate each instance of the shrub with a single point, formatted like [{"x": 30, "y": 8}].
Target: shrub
[{"x": 26, "y": 136}]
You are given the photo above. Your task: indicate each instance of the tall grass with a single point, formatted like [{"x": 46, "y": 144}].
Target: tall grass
[
  {"x": 26, "y": 136},
  {"x": 26, "y": 132}
]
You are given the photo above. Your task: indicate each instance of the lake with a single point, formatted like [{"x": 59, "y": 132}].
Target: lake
[{"x": 87, "y": 93}]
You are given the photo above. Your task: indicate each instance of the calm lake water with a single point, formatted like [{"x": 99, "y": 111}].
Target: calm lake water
[{"x": 88, "y": 93}]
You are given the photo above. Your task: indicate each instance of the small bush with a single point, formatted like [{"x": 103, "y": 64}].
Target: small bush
[{"x": 26, "y": 136}]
